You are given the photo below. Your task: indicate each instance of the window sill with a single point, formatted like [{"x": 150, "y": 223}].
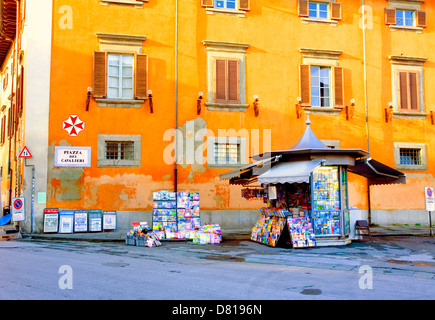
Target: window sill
[
  {"x": 404, "y": 28},
  {"x": 135, "y": 3},
  {"x": 410, "y": 167},
  {"x": 409, "y": 115},
  {"x": 322, "y": 110},
  {"x": 224, "y": 166},
  {"x": 118, "y": 163},
  {"x": 319, "y": 20},
  {"x": 239, "y": 13},
  {"x": 119, "y": 103},
  {"x": 213, "y": 106}
]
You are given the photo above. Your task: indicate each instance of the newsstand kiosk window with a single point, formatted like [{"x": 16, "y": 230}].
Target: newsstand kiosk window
[{"x": 329, "y": 199}]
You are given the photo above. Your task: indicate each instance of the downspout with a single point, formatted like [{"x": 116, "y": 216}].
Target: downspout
[
  {"x": 369, "y": 218},
  {"x": 176, "y": 100}
]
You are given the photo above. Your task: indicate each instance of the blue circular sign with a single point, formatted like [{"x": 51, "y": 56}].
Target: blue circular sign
[{"x": 18, "y": 204}]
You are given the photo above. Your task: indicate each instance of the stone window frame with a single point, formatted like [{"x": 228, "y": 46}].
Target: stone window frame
[
  {"x": 211, "y": 141},
  {"x": 225, "y": 50},
  {"x": 404, "y": 63},
  {"x": 407, "y": 5},
  {"x": 322, "y": 58},
  {"x": 410, "y": 145},
  {"x": 103, "y": 162},
  {"x": 134, "y": 3},
  {"x": 120, "y": 44},
  {"x": 329, "y": 21}
]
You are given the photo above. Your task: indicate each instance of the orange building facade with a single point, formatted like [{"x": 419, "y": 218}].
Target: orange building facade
[{"x": 106, "y": 82}]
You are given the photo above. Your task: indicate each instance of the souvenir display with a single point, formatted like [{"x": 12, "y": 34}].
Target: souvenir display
[
  {"x": 164, "y": 211},
  {"x": 326, "y": 201},
  {"x": 208, "y": 234},
  {"x": 252, "y": 193},
  {"x": 141, "y": 235},
  {"x": 176, "y": 213},
  {"x": 269, "y": 227},
  {"x": 301, "y": 232},
  {"x": 188, "y": 209}
]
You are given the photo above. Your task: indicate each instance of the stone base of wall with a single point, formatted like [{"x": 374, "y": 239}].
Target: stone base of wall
[
  {"x": 227, "y": 219},
  {"x": 410, "y": 217}
]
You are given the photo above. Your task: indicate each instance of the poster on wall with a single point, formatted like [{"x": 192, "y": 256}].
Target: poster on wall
[{"x": 72, "y": 156}]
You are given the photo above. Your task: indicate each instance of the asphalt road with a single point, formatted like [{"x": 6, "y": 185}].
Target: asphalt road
[{"x": 389, "y": 268}]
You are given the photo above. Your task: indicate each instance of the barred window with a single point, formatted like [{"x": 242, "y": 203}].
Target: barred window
[
  {"x": 119, "y": 150},
  {"x": 227, "y": 153},
  {"x": 410, "y": 156}
]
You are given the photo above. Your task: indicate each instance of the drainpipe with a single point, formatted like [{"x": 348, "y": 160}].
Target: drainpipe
[
  {"x": 176, "y": 99},
  {"x": 366, "y": 103}
]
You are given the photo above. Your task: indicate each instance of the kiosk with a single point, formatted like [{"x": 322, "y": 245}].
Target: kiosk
[{"x": 309, "y": 183}]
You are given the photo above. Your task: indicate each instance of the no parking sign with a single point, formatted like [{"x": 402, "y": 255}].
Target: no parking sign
[
  {"x": 18, "y": 212},
  {"x": 429, "y": 198}
]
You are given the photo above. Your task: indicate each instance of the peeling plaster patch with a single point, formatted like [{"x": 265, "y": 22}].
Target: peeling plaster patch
[
  {"x": 166, "y": 177},
  {"x": 64, "y": 183},
  {"x": 192, "y": 140},
  {"x": 123, "y": 192}
]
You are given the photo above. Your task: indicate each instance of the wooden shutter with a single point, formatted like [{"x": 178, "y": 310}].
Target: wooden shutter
[
  {"x": 20, "y": 91},
  {"x": 421, "y": 19},
  {"x": 244, "y": 5},
  {"x": 304, "y": 84},
  {"x": 303, "y": 8},
  {"x": 409, "y": 91},
  {"x": 338, "y": 87},
  {"x": 141, "y": 77},
  {"x": 233, "y": 81},
  {"x": 390, "y": 16},
  {"x": 335, "y": 11},
  {"x": 3, "y": 128},
  {"x": 100, "y": 75},
  {"x": 403, "y": 90},
  {"x": 413, "y": 91},
  {"x": 220, "y": 93},
  {"x": 207, "y": 3}
]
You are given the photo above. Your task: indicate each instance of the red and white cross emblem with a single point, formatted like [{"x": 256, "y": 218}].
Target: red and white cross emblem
[{"x": 73, "y": 125}]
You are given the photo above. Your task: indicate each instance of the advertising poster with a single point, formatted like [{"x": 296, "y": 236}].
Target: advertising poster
[
  {"x": 51, "y": 220},
  {"x": 66, "y": 221},
  {"x": 80, "y": 221},
  {"x": 109, "y": 220}
]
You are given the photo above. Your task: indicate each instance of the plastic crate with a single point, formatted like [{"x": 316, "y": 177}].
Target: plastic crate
[{"x": 130, "y": 240}]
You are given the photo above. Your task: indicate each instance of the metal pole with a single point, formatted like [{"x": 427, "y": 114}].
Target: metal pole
[
  {"x": 430, "y": 224},
  {"x": 176, "y": 99}
]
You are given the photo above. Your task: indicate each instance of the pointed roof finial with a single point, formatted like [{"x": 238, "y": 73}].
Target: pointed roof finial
[{"x": 308, "y": 122}]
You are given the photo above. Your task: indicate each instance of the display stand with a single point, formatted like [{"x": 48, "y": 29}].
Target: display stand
[
  {"x": 278, "y": 227},
  {"x": 66, "y": 221},
  {"x": 301, "y": 232},
  {"x": 178, "y": 214},
  {"x": 165, "y": 211},
  {"x": 51, "y": 220}
]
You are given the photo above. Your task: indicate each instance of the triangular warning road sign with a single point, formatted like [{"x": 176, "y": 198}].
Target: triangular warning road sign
[{"x": 25, "y": 153}]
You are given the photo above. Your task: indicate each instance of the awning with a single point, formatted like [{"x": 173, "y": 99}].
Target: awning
[
  {"x": 376, "y": 172},
  {"x": 289, "y": 172},
  {"x": 239, "y": 171}
]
